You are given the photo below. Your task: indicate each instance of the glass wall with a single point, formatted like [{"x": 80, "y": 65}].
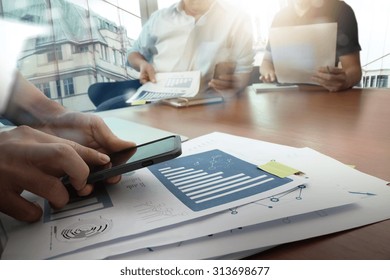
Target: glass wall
[
  {"x": 87, "y": 41},
  {"x": 374, "y": 34}
]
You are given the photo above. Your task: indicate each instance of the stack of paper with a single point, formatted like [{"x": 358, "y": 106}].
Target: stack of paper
[{"x": 156, "y": 213}]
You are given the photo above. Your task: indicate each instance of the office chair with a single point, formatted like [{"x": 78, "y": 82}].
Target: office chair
[{"x": 109, "y": 95}]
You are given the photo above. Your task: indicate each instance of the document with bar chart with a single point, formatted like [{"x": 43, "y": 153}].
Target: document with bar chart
[
  {"x": 160, "y": 196},
  {"x": 214, "y": 178},
  {"x": 169, "y": 85}
]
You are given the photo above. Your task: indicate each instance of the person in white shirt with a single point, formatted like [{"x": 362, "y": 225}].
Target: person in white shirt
[{"x": 194, "y": 35}]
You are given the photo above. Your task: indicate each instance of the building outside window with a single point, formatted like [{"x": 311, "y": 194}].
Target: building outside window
[
  {"x": 104, "y": 53},
  {"x": 365, "y": 81},
  {"x": 45, "y": 88},
  {"x": 58, "y": 87},
  {"x": 80, "y": 49},
  {"x": 55, "y": 54},
  {"x": 68, "y": 87},
  {"x": 88, "y": 39},
  {"x": 372, "y": 81},
  {"x": 70, "y": 54},
  {"x": 382, "y": 81}
]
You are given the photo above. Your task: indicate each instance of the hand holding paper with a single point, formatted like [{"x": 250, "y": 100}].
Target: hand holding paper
[{"x": 298, "y": 51}]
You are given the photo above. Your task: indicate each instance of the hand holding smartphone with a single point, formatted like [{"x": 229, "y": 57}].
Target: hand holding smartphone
[
  {"x": 224, "y": 68},
  {"x": 135, "y": 158}
]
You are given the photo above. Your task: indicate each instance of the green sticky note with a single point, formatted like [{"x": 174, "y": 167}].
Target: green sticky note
[{"x": 278, "y": 169}]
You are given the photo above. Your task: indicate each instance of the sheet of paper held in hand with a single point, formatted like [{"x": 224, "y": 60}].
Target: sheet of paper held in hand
[
  {"x": 168, "y": 85},
  {"x": 298, "y": 51}
]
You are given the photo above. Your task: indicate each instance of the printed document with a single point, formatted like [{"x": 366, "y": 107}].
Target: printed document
[
  {"x": 324, "y": 190},
  {"x": 169, "y": 85},
  {"x": 132, "y": 215},
  {"x": 298, "y": 51},
  {"x": 162, "y": 195}
]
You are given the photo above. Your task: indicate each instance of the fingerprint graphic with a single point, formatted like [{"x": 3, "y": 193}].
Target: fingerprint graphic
[{"x": 83, "y": 230}]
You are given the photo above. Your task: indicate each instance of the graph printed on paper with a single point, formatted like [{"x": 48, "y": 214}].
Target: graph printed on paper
[{"x": 205, "y": 180}]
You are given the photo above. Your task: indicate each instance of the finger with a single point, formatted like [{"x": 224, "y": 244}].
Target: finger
[
  {"x": 103, "y": 135},
  {"x": 89, "y": 155},
  {"x": 114, "y": 180},
  {"x": 59, "y": 160},
  {"x": 144, "y": 79},
  {"x": 272, "y": 77},
  {"x": 46, "y": 186},
  {"x": 325, "y": 83},
  {"x": 87, "y": 190},
  {"x": 220, "y": 84},
  {"x": 152, "y": 78},
  {"x": 264, "y": 79},
  {"x": 152, "y": 74},
  {"x": 268, "y": 78},
  {"x": 21, "y": 209},
  {"x": 330, "y": 70}
]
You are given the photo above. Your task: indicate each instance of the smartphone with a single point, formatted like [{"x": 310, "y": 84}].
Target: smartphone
[
  {"x": 135, "y": 158},
  {"x": 224, "y": 68}
]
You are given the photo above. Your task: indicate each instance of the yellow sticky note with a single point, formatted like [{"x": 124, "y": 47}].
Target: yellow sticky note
[
  {"x": 138, "y": 102},
  {"x": 278, "y": 169}
]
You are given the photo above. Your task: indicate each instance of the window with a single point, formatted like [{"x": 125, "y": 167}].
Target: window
[
  {"x": 68, "y": 86},
  {"x": 58, "y": 86},
  {"x": 365, "y": 81},
  {"x": 373, "y": 79},
  {"x": 55, "y": 54},
  {"x": 45, "y": 88},
  {"x": 80, "y": 49},
  {"x": 114, "y": 58},
  {"x": 104, "y": 54},
  {"x": 75, "y": 29},
  {"x": 73, "y": 25},
  {"x": 382, "y": 81}
]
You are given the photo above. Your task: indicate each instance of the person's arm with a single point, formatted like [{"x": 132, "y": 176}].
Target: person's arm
[
  {"x": 241, "y": 53},
  {"x": 231, "y": 82},
  {"x": 143, "y": 50},
  {"x": 353, "y": 69},
  {"x": 28, "y": 105},
  {"x": 337, "y": 79},
  {"x": 139, "y": 63}
]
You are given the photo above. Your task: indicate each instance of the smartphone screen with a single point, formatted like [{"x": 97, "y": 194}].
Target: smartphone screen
[
  {"x": 139, "y": 157},
  {"x": 135, "y": 158}
]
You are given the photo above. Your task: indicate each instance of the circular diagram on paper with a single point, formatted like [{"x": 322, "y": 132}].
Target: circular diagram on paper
[{"x": 83, "y": 230}]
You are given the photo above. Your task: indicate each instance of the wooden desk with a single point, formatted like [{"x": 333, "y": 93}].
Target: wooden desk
[{"x": 351, "y": 126}]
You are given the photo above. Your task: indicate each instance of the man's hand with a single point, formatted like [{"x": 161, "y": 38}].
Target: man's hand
[
  {"x": 87, "y": 130},
  {"x": 35, "y": 161},
  {"x": 331, "y": 78},
  {"x": 224, "y": 82},
  {"x": 147, "y": 73}
]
